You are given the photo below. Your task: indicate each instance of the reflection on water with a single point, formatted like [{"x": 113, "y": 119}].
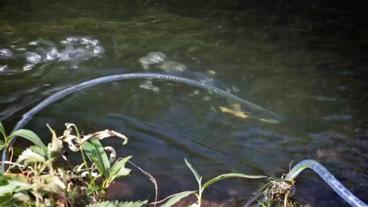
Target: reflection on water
[{"x": 320, "y": 90}]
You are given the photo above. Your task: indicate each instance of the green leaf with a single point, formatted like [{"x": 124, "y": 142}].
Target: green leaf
[
  {"x": 194, "y": 171},
  {"x": 52, "y": 184},
  {"x": 56, "y": 145},
  {"x": 118, "y": 204},
  {"x": 21, "y": 196},
  {"x": 118, "y": 169},
  {"x": 2, "y": 145},
  {"x": 173, "y": 199},
  {"x": 29, "y": 156},
  {"x": 97, "y": 155},
  {"x": 29, "y": 135},
  {"x": 7, "y": 201},
  {"x": 231, "y": 175},
  {"x": 13, "y": 186},
  {"x": 2, "y": 130},
  {"x": 38, "y": 150}
]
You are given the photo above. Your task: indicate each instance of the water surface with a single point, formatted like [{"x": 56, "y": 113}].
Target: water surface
[{"x": 311, "y": 81}]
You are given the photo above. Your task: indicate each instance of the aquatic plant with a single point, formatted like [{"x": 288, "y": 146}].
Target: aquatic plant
[{"x": 42, "y": 175}]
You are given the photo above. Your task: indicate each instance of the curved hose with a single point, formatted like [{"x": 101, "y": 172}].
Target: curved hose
[
  {"x": 106, "y": 79},
  {"x": 339, "y": 188},
  {"x": 257, "y": 110},
  {"x": 295, "y": 171}
]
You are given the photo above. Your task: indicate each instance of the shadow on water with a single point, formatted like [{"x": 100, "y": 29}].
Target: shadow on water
[{"x": 314, "y": 77}]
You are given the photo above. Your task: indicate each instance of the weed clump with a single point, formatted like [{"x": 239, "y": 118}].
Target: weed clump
[
  {"x": 37, "y": 177},
  {"x": 41, "y": 175}
]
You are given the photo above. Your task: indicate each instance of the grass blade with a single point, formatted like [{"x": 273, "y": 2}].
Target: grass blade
[
  {"x": 231, "y": 175},
  {"x": 173, "y": 199},
  {"x": 2, "y": 130},
  {"x": 194, "y": 171}
]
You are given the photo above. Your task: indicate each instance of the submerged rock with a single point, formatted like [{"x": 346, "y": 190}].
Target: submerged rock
[
  {"x": 151, "y": 58},
  {"x": 149, "y": 86},
  {"x": 172, "y": 66}
]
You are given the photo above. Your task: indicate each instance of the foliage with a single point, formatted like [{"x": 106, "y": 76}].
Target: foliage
[
  {"x": 6, "y": 141},
  {"x": 276, "y": 193},
  {"x": 42, "y": 175},
  {"x": 39, "y": 178},
  {"x": 175, "y": 198}
]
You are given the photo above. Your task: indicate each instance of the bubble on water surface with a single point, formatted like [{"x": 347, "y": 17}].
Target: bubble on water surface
[
  {"x": 28, "y": 67},
  {"x": 52, "y": 55},
  {"x": 6, "y": 53},
  {"x": 71, "y": 50},
  {"x": 78, "y": 49},
  {"x": 98, "y": 50},
  {"x": 3, "y": 68},
  {"x": 33, "y": 58}
]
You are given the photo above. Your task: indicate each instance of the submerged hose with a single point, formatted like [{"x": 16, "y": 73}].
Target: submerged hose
[
  {"x": 125, "y": 76},
  {"x": 326, "y": 176},
  {"x": 341, "y": 190}
]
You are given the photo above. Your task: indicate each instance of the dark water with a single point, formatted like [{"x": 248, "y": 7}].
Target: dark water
[{"x": 312, "y": 73}]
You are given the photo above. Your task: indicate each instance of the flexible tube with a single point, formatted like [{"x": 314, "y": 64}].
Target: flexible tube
[
  {"x": 326, "y": 176},
  {"x": 253, "y": 108}
]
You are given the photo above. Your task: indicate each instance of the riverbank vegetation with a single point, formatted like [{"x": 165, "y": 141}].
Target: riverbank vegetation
[{"x": 42, "y": 175}]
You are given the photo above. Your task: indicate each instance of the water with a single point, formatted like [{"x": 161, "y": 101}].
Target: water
[{"x": 317, "y": 83}]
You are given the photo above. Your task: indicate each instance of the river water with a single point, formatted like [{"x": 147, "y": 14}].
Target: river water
[{"x": 317, "y": 85}]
